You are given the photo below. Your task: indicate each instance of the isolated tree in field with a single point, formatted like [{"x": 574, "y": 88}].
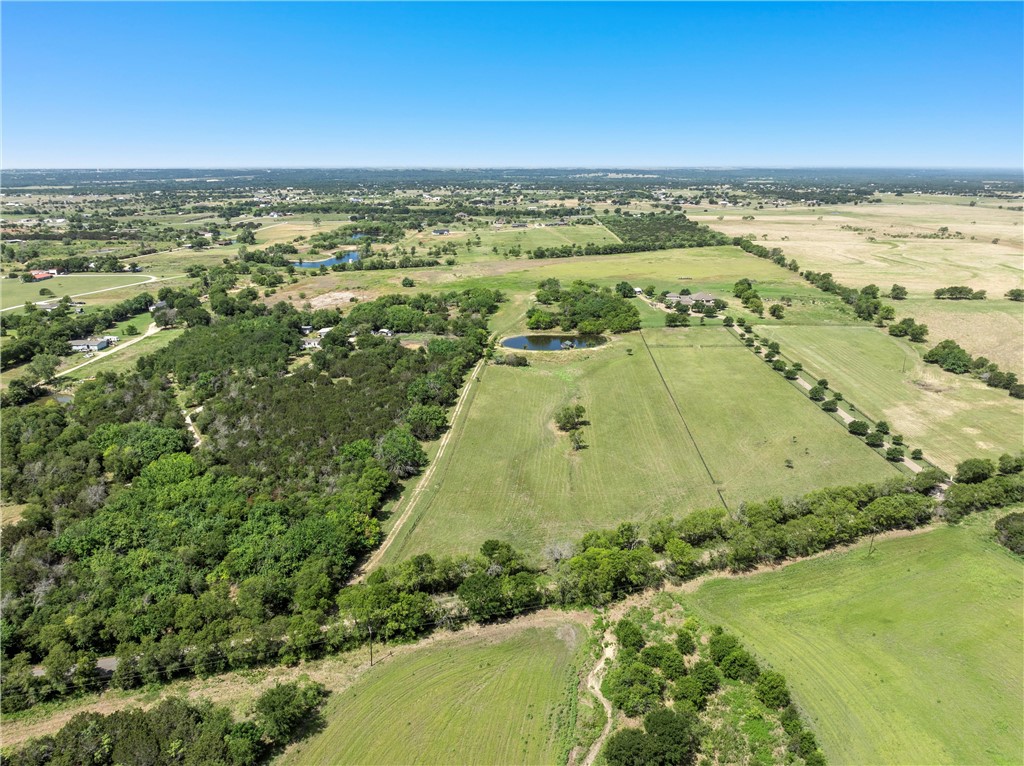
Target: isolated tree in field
[
  {"x": 830, "y": 406},
  {"x": 570, "y": 417},
  {"x": 916, "y": 454},
  {"x": 817, "y": 393},
  {"x": 576, "y": 438},
  {"x": 898, "y": 292},
  {"x": 894, "y": 454},
  {"x": 650, "y": 290},
  {"x": 974, "y": 470},
  {"x": 858, "y": 428},
  {"x": 1016, "y": 294},
  {"x": 882, "y": 427},
  {"x": 777, "y": 311},
  {"x": 316, "y": 221}
]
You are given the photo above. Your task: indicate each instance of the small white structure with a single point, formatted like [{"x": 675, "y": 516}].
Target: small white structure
[
  {"x": 88, "y": 344},
  {"x": 323, "y": 331},
  {"x": 310, "y": 343}
]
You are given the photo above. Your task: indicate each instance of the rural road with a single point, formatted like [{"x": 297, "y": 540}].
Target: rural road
[
  {"x": 414, "y": 495},
  {"x": 151, "y": 330}
]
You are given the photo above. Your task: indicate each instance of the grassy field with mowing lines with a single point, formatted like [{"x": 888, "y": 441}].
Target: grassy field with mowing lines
[
  {"x": 748, "y": 420},
  {"x": 509, "y": 474},
  {"x": 950, "y": 417},
  {"x": 504, "y": 702},
  {"x": 14, "y": 292},
  {"x": 911, "y": 653}
]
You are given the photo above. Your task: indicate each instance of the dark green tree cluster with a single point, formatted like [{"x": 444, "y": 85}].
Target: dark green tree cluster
[
  {"x": 180, "y": 732},
  {"x": 1010, "y": 532},
  {"x": 661, "y": 231},
  {"x": 583, "y": 307},
  {"x": 959, "y": 293}
]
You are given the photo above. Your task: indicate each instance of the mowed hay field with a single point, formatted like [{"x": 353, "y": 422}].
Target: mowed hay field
[
  {"x": 816, "y": 238},
  {"x": 907, "y": 652},
  {"x": 459, "y": 701},
  {"x": 951, "y": 417},
  {"x": 14, "y": 292},
  {"x": 748, "y": 420},
  {"x": 509, "y": 474}
]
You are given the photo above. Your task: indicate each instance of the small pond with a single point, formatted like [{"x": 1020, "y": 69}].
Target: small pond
[
  {"x": 553, "y": 342},
  {"x": 346, "y": 258}
]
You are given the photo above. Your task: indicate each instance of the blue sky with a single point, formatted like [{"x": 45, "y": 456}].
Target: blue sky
[{"x": 530, "y": 84}]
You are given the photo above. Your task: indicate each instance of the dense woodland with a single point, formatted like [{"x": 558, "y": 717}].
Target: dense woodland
[{"x": 134, "y": 541}]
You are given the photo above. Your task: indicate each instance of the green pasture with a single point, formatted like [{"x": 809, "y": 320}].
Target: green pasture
[
  {"x": 14, "y": 292},
  {"x": 951, "y": 417},
  {"x": 509, "y": 474},
  {"x": 903, "y": 651},
  {"x": 464, "y": 700},
  {"x": 748, "y": 420},
  {"x": 505, "y": 238}
]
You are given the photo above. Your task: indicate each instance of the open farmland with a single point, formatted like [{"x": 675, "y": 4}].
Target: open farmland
[
  {"x": 509, "y": 474},
  {"x": 907, "y": 651},
  {"x": 475, "y": 700},
  {"x": 950, "y": 417},
  {"x": 896, "y": 242},
  {"x": 816, "y": 237},
  {"x": 993, "y": 328},
  {"x": 14, "y": 293},
  {"x": 748, "y": 421}
]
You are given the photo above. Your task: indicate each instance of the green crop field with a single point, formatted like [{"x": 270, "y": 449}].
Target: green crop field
[
  {"x": 951, "y": 417},
  {"x": 909, "y": 651},
  {"x": 509, "y": 474},
  {"x": 461, "y": 701},
  {"x": 14, "y": 292}
]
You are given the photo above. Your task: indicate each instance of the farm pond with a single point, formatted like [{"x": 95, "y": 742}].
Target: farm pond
[
  {"x": 349, "y": 257},
  {"x": 553, "y": 342}
]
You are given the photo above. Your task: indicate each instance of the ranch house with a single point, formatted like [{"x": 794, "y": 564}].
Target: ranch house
[{"x": 88, "y": 344}]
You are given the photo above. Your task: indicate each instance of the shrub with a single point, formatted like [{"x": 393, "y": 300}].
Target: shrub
[
  {"x": 721, "y": 646},
  {"x": 1010, "y": 532},
  {"x": 685, "y": 642},
  {"x": 633, "y": 688},
  {"x": 707, "y": 676},
  {"x": 740, "y": 665},
  {"x": 629, "y": 635},
  {"x": 771, "y": 689}
]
